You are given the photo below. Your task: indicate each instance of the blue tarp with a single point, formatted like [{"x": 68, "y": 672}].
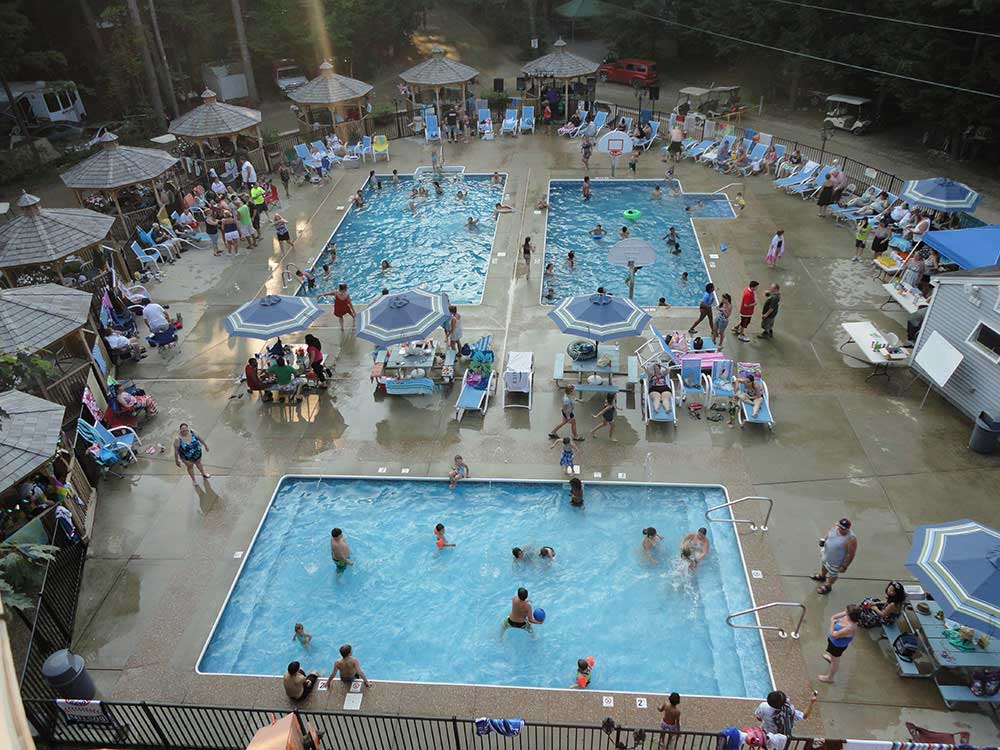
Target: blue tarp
[{"x": 970, "y": 248}]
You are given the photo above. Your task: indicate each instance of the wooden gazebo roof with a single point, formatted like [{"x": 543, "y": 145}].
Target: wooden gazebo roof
[
  {"x": 560, "y": 64},
  {"x": 438, "y": 70},
  {"x": 32, "y": 317},
  {"x": 114, "y": 166},
  {"x": 213, "y": 119},
  {"x": 329, "y": 88},
  {"x": 44, "y": 235}
]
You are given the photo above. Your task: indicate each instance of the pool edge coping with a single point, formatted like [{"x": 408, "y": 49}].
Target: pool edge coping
[{"x": 384, "y": 477}]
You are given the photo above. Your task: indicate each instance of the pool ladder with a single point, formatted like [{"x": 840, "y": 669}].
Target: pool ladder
[
  {"x": 287, "y": 277},
  {"x": 753, "y": 525},
  {"x": 782, "y": 633},
  {"x": 726, "y": 187}
]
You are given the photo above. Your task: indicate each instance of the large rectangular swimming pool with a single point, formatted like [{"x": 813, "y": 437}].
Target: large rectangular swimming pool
[
  {"x": 570, "y": 218},
  {"x": 415, "y": 613}
]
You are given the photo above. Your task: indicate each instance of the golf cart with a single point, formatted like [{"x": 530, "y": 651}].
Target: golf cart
[
  {"x": 851, "y": 113},
  {"x": 700, "y": 103}
]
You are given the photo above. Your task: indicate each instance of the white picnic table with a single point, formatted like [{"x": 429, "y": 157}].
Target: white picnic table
[{"x": 865, "y": 335}]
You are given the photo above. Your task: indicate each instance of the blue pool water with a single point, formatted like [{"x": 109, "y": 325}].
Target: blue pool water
[
  {"x": 429, "y": 247},
  {"x": 570, "y": 218},
  {"x": 414, "y": 613}
]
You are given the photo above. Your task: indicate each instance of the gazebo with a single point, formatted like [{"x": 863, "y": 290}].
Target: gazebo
[
  {"x": 53, "y": 319},
  {"x": 47, "y": 236},
  {"x": 561, "y": 65},
  {"x": 215, "y": 119},
  {"x": 115, "y": 168},
  {"x": 438, "y": 72},
  {"x": 333, "y": 93}
]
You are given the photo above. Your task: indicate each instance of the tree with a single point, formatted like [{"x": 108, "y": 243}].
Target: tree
[
  {"x": 241, "y": 36},
  {"x": 152, "y": 87},
  {"x": 17, "y": 561},
  {"x": 168, "y": 84},
  {"x": 23, "y": 371}
]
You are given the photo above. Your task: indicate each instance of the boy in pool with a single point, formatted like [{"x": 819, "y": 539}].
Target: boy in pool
[
  {"x": 458, "y": 472},
  {"x": 326, "y": 271},
  {"x": 571, "y": 260},
  {"x": 301, "y": 635},
  {"x": 471, "y": 224},
  {"x": 439, "y": 537},
  {"x": 339, "y": 551},
  {"x": 576, "y": 492},
  {"x": 547, "y": 553},
  {"x": 670, "y": 236},
  {"x": 307, "y": 278},
  {"x": 395, "y": 177},
  {"x": 583, "y": 668},
  {"x": 597, "y": 231},
  {"x": 684, "y": 278},
  {"x": 586, "y": 188},
  {"x": 657, "y": 193}
]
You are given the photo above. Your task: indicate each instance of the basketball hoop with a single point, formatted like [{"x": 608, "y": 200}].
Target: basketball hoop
[{"x": 615, "y": 152}]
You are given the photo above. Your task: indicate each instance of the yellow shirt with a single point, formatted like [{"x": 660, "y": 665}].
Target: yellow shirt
[{"x": 257, "y": 195}]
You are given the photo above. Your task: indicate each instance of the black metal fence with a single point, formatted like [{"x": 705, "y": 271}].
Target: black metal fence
[
  {"x": 148, "y": 726},
  {"x": 51, "y": 624}
]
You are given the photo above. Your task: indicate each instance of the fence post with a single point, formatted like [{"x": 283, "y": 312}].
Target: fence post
[
  {"x": 156, "y": 727},
  {"x": 454, "y": 729}
]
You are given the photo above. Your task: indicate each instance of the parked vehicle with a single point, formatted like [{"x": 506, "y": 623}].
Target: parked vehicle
[
  {"x": 631, "y": 71},
  {"x": 288, "y": 75},
  {"x": 851, "y": 113},
  {"x": 44, "y": 101}
]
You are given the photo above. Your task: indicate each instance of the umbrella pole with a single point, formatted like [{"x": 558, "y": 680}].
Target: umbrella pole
[{"x": 631, "y": 279}]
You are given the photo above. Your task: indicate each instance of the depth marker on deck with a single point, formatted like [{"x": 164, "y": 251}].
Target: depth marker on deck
[
  {"x": 238, "y": 554},
  {"x": 381, "y": 470}
]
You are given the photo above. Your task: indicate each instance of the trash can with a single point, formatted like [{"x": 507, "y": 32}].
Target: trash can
[
  {"x": 67, "y": 675},
  {"x": 985, "y": 434}
]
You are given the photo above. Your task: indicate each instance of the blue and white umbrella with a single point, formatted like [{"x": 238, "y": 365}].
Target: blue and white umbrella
[
  {"x": 397, "y": 318},
  {"x": 940, "y": 194},
  {"x": 273, "y": 315},
  {"x": 600, "y": 317},
  {"x": 959, "y": 564}
]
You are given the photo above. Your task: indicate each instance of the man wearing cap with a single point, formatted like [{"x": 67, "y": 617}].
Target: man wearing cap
[{"x": 838, "y": 550}]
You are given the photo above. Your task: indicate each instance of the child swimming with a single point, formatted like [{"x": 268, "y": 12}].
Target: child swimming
[
  {"x": 583, "y": 672},
  {"x": 301, "y": 635},
  {"x": 439, "y": 537}
]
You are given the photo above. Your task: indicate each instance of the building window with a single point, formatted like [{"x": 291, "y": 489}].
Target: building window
[{"x": 986, "y": 340}]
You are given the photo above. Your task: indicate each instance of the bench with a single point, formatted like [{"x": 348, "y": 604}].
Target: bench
[
  {"x": 633, "y": 370},
  {"x": 962, "y": 694},
  {"x": 559, "y": 367},
  {"x": 906, "y": 668},
  {"x": 593, "y": 388}
]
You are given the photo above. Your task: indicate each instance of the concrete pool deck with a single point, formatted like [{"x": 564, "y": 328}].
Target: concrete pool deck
[{"x": 162, "y": 553}]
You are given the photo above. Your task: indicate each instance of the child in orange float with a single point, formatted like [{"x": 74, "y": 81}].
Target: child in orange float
[{"x": 439, "y": 538}]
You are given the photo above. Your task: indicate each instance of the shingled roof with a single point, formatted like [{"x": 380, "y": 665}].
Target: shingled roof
[
  {"x": 329, "y": 88},
  {"x": 560, "y": 64},
  {"x": 32, "y": 317},
  {"x": 44, "y": 235},
  {"x": 213, "y": 118},
  {"x": 115, "y": 166},
  {"x": 29, "y": 436},
  {"x": 438, "y": 70}
]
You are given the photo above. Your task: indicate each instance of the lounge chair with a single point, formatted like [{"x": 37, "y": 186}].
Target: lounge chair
[
  {"x": 696, "y": 150},
  {"x": 660, "y": 414},
  {"x": 479, "y": 380},
  {"x": 722, "y": 382},
  {"x": 809, "y": 185},
  {"x": 627, "y": 123},
  {"x": 655, "y": 350},
  {"x": 804, "y": 172},
  {"x": 169, "y": 249},
  {"x": 150, "y": 260},
  {"x": 645, "y": 143},
  {"x": 432, "y": 129},
  {"x": 182, "y": 241},
  {"x": 709, "y": 155},
  {"x": 308, "y": 159},
  {"x": 594, "y": 128},
  {"x": 756, "y": 154},
  {"x": 485, "y": 125},
  {"x": 409, "y": 386},
  {"x": 570, "y": 129},
  {"x": 745, "y": 412},
  {"x": 364, "y": 149},
  {"x": 380, "y": 145},
  {"x": 518, "y": 377},
  {"x": 320, "y": 148},
  {"x": 527, "y": 119},
  {"x": 121, "y": 440},
  {"x": 509, "y": 124},
  {"x": 691, "y": 381}
]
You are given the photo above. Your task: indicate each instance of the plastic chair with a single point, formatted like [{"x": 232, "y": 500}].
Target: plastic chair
[
  {"x": 380, "y": 145},
  {"x": 150, "y": 260}
]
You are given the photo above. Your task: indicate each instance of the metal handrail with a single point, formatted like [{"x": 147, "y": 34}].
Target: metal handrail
[
  {"x": 782, "y": 633},
  {"x": 287, "y": 276},
  {"x": 753, "y": 526},
  {"x": 726, "y": 187}
]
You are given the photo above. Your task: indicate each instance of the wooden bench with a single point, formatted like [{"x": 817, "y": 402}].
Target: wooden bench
[
  {"x": 906, "y": 668},
  {"x": 962, "y": 694}
]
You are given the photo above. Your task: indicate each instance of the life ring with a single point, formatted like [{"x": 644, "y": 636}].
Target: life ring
[
  {"x": 632, "y": 213},
  {"x": 581, "y": 350}
]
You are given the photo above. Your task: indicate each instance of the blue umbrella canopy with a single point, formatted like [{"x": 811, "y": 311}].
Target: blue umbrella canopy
[
  {"x": 408, "y": 316},
  {"x": 940, "y": 194},
  {"x": 959, "y": 564},
  {"x": 599, "y": 317},
  {"x": 273, "y": 315}
]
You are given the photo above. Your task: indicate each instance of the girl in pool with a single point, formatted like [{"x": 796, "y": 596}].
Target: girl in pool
[
  {"x": 568, "y": 456},
  {"x": 607, "y": 417},
  {"x": 187, "y": 448},
  {"x": 458, "y": 472},
  {"x": 586, "y": 188},
  {"x": 342, "y": 304},
  {"x": 550, "y": 270},
  {"x": 576, "y": 492},
  {"x": 649, "y": 541},
  {"x": 571, "y": 260},
  {"x": 385, "y": 266},
  {"x": 623, "y": 233},
  {"x": 301, "y": 635}
]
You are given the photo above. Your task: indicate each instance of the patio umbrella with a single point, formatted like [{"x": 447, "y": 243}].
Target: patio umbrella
[
  {"x": 575, "y": 9},
  {"x": 396, "y": 318},
  {"x": 632, "y": 253},
  {"x": 958, "y": 562},
  {"x": 940, "y": 194},
  {"x": 600, "y": 317},
  {"x": 273, "y": 315}
]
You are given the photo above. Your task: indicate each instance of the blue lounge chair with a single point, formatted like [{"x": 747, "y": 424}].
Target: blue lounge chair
[
  {"x": 764, "y": 416},
  {"x": 364, "y": 149},
  {"x": 810, "y": 185},
  {"x": 477, "y": 396},
  {"x": 594, "y": 129},
  {"x": 432, "y": 129},
  {"x": 804, "y": 172},
  {"x": 696, "y": 150},
  {"x": 645, "y": 143},
  {"x": 410, "y": 386},
  {"x": 691, "y": 381},
  {"x": 509, "y": 124},
  {"x": 320, "y": 148},
  {"x": 527, "y": 119},
  {"x": 308, "y": 159},
  {"x": 661, "y": 414},
  {"x": 709, "y": 155},
  {"x": 150, "y": 260},
  {"x": 121, "y": 443},
  {"x": 722, "y": 383},
  {"x": 755, "y": 154}
]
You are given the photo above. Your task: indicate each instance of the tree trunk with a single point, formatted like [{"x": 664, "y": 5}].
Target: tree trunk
[
  {"x": 793, "y": 91},
  {"x": 152, "y": 87},
  {"x": 95, "y": 35},
  {"x": 168, "y": 84},
  {"x": 532, "y": 30},
  {"x": 241, "y": 34}
]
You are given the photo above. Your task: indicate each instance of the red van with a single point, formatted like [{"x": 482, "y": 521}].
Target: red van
[{"x": 631, "y": 71}]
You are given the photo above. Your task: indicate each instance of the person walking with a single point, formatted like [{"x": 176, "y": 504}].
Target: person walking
[
  {"x": 776, "y": 249},
  {"x": 705, "y": 306},
  {"x": 769, "y": 312},
  {"x": 722, "y": 320},
  {"x": 837, "y": 551},
  {"x": 568, "y": 415},
  {"x": 843, "y": 627},
  {"x": 188, "y": 448},
  {"x": 778, "y": 715},
  {"x": 285, "y": 175},
  {"x": 747, "y": 305}
]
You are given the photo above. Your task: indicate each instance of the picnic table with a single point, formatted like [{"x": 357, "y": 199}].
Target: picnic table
[
  {"x": 396, "y": 368},
  {"x": 866, "y": 335}
]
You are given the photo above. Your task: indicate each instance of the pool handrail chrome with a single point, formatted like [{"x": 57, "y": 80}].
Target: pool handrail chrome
[
  {"x": 287, "y": 276},
  {"x": 753, "y": 525},
  {"x": 724, "y": 188},
  {"x": 782, "y": 633}
]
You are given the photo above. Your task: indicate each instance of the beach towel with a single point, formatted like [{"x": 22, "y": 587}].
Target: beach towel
[{"x": 505, "y": 727}]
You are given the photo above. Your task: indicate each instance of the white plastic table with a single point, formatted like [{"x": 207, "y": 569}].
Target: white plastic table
[
  {"x": 865, "y": 335},
  {"x": 905, "y": 296}
]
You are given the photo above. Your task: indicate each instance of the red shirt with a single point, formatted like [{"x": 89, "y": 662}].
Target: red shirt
[
  {"x": 749, "y": 302},
  {"x": 253, "y": 379}
]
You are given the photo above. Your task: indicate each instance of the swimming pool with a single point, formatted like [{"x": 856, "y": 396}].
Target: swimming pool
[
  {"x": 414, "y": 613},
  {"x": 430, "y": 246},
  {"x": 570, "y": 219}
]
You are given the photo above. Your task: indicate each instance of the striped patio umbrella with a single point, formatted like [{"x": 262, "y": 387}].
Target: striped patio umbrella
[
  {"x": 600, "y": 317},
  {"x": 940, "y": 194},
  {"x": 958, "y": 562},
  {"x": 397, "y": 318},
  {"x": 273, "y": 315}
]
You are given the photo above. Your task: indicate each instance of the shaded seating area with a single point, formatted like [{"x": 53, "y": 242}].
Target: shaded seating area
[
  {"x": 335, "y": 100},
  {"x": 558, "y": 70},
  {"x": 438, "y": 73},
  {"x": 221, "y": 133}
]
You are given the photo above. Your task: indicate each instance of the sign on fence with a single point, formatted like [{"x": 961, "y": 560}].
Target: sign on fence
[
  {"x": 93, "y": 713},
  {"x": 870, "y": 173}
]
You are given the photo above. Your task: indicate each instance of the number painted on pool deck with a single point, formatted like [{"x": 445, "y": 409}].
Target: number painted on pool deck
[{"x": 640, "y": 703}]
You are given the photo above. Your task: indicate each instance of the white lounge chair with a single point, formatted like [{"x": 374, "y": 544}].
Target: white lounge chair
[
  {"x": 485, "y": 125},
  {"x": 518, "y": 377}
]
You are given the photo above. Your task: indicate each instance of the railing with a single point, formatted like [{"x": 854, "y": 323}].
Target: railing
[
  {"x": 724, "y": 188},
  {"x": 731, "y": 503},
  {"x": 124, "y": 231},
  {"x": 176, "y": 727},
  {"x": 68, "y": 389},
  {"x": 782, "y": 633}
]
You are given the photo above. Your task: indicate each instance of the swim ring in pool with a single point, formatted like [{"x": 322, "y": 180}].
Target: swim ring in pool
[{"x": 632, "y": 213}]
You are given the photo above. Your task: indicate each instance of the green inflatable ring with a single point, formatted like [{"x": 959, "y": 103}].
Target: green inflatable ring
[{"x": 632, "y": 213}]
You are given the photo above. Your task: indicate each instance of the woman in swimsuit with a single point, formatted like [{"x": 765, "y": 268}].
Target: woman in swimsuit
[
  {"x": 526, "y": 252},
  {"x": 342, "y": 304},
  {"x": 231, "y": 233},
  {"x": 843, "y": 628},
  {"x": 751, "y": 393},
  {"x": 607, "y": 417},
  {"x": 659, "y": 384},
  {"x": 187, "y": 448}
]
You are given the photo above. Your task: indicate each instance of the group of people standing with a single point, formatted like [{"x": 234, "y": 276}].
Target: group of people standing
[{"x": 719, "y": 310}]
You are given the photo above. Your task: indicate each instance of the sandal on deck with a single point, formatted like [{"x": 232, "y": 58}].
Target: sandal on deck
[
  {"x": 818, "y": 578},
  {"x": 824, "y": 589}
]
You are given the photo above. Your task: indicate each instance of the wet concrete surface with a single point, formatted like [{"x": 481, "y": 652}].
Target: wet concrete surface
[{"x": 162, "y": 553}]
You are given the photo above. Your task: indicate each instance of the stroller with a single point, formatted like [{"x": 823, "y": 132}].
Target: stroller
[{"x": 162, "y": 340}]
